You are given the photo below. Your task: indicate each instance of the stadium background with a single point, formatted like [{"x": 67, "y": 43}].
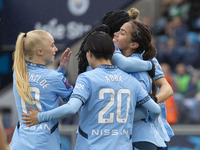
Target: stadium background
[{"x": 176, "y": 28}]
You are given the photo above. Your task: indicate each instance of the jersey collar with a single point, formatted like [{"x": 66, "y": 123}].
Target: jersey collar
[
  {"x": 107, "y": 66},
  {"x": 36, "y": 65}
]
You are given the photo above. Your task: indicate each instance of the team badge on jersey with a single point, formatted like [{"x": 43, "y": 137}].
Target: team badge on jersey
[{"x": 66, "y": 83}]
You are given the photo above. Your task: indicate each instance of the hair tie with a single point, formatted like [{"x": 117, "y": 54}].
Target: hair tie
[{"x": 25, "y": 35}]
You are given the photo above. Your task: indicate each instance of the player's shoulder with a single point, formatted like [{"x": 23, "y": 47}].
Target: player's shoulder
[
  {"x": 128, "y": 76},
  {"x": 54, "y": 75},
  {"x": 136, "y": 56},
  {"x": 155, "y": 61},
  {"x": 157, "y": 64},
  {"x": 87, "y": 75},
  {"x": 91, "y": 72},
  {"x": 83, "y": 76}
]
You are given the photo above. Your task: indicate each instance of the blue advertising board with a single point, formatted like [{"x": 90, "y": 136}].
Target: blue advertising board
[{"x": 66, "y": 20}]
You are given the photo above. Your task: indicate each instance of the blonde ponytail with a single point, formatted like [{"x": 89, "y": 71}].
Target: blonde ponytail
[{"x": 19, "y": 66}]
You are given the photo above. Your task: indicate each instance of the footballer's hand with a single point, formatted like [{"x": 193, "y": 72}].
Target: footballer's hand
[
  {"x": 64, "y": 62},
  {"x": 31, "y": 118}
]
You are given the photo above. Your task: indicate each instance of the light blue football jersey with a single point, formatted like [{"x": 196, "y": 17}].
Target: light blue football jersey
[
  {"x": 109, "y": 98},
  {"x": 46, "y": 87},
  {"x": 145, "y": 131}
]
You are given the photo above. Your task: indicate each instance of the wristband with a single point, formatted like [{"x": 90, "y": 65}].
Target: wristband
[{"x": 155, "y": 99}]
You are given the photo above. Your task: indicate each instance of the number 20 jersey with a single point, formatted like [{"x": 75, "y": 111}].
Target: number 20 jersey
[{"x": 109, "y": 98}]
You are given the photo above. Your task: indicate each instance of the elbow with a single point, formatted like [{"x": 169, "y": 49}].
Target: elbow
[{"x": 170, "y": 91}]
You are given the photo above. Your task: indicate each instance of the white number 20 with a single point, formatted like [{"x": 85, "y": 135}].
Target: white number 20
[
  {"x": 110, "y": 91},
  {"x": 36, "y": 101}
]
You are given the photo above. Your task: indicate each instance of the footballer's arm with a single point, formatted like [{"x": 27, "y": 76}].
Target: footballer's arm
[{"x": 165, "y": 90}]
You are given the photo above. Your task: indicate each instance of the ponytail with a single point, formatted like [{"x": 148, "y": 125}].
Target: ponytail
[
  {"x": 150, "y": 53},
  {"x": 82, "y": 60},
  {"x": 154, "y": 87},
  {"x": 143, "y": 37},
  {"x": 19, "y": 66}
]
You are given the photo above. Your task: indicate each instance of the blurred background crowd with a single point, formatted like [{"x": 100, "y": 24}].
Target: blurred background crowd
[{"x": 177, "y": 38}]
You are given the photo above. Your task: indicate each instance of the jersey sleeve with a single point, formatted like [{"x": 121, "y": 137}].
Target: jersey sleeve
[
  {"x": 61, "y": 86},
  {"x": 140, "y": 113},
  {"x": 61, "y": 71},
  {"x": 81, "y": 89},
  {"x": 60, "y": 112},
  {"x": 145, "y": 101},
  {"x": 141, "y": 95},
  {"x": 130, "y": 64},
  {"x": 158, "y": 73},
  {"x": 153, "y": 109}
]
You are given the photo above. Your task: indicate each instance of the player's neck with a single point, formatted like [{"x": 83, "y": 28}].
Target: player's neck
[
  {"x": 127, "y": 52},
  {"x": 102, "y": 62},
  {"x": 38, "y": 61}
]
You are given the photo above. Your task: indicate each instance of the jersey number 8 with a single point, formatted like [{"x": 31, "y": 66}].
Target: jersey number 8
[{"x": 36, "y": 101}]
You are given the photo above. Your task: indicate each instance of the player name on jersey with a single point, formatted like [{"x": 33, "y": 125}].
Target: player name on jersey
[
  {"x": 38, "y": 79},
  {"x": 113, "y": 77}
]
